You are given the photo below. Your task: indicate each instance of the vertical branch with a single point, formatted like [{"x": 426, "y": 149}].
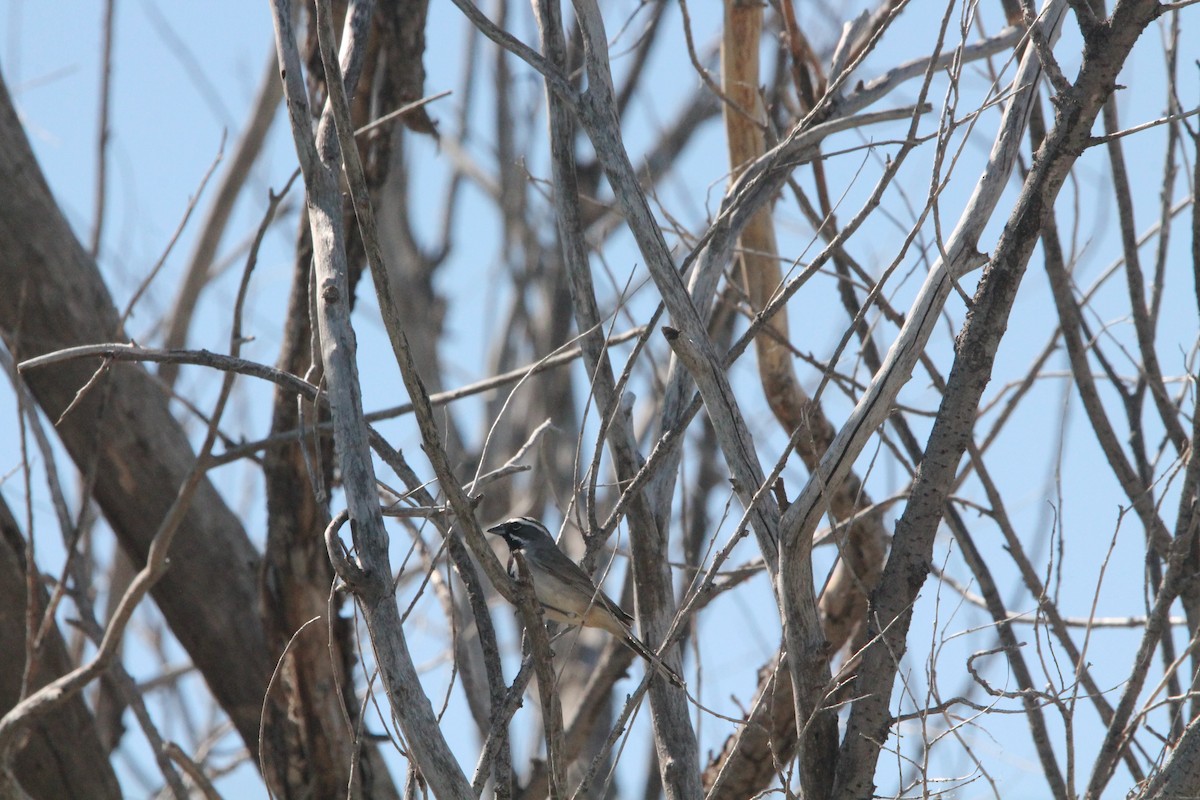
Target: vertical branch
[
  {"x": 598, "y": 114},
  {"x": 319, "y": 159},
  {"x": 678, "y": 754},
  {"x": 110, "y": 9},
  {"x": 843, "y": 604},
  {"x": 336, "y": 126},
  {"x": 1190, "y": 492},
  {"x": 804, "y": 640},
  {"x": 543, "y": 664},
  {"x": 690, "y": 342}
]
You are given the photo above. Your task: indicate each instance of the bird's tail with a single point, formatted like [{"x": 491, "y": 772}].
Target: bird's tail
[{"x": 638, "y": 646}]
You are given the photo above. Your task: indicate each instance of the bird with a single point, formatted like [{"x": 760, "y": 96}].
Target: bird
[{"x": 565, "y": 591}]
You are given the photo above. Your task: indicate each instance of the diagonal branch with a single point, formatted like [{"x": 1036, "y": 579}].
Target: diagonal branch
[
  {"x": 961, "y": 256},
  {"x": 908, "y": 565}
]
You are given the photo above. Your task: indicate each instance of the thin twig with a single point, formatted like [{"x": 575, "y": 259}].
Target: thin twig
[{"x": 106, "y": 65}]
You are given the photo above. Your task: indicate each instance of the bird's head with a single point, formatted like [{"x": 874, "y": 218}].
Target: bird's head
[{"x": 522, "y": 532}]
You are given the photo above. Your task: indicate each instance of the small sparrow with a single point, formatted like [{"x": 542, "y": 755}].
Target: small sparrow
[{"x": 566, "y": 592}]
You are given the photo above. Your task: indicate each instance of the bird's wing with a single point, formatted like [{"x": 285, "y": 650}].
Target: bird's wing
[
  {"x": 575, "y": 581},
  {"x": 581, "y": 579}
]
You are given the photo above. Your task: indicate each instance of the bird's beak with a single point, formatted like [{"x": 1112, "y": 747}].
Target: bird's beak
[{"x": 496, "y": 529}]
